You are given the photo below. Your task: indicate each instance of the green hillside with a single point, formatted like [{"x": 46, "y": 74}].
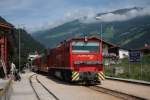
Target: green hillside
[{"x": 132, "y": 33}]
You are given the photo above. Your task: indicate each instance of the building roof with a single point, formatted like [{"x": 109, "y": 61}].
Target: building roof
[
  {"x": 105, "y": 42},
  {"x": 7, "y": 26},
  {"x": 145, "y": 48}
]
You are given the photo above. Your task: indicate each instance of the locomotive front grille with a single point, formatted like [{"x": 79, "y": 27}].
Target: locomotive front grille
[
  {"x": 88, "y": 76},
  {"x": 87, "y": 63}
]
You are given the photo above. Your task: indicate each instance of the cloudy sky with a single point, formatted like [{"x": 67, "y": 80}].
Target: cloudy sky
[{"x": 39, "y": 14}]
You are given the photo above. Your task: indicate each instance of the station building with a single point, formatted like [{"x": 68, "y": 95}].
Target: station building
[
  {"x": 5, "y": 30},
  {"x": 146, "y": 49}
]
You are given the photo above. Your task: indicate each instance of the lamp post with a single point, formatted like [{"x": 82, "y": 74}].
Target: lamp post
[
  {"x": 101, "y": 30},
  {"x": 19, "y": 46},
  {"x": 101, "y": 27}
]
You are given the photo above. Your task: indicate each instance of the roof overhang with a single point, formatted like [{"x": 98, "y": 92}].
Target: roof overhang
[{"x": 6, "y": 26}]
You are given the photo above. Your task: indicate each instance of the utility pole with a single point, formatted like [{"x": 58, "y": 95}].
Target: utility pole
[
  {"x": 101, "y": 37},
  {"x": 101, "y": 32},
  {"x": 19, "y": 29}
]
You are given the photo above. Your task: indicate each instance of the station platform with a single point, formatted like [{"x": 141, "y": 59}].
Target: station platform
[
  {"x": 138, "y": 90},
  {"x": 3, "y": 83},
  {"x": 22, "y": 89},
  {"x": 5, "y": 89}
]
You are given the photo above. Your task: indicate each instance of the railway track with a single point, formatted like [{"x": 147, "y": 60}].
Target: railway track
[
  {"x": 41, "y": 92},
  {"x": 140, "y": 82},
  {"x": 111, "y": 92},
  {"x": 115, "y": 93},
  {"x": 120, "y": 94}
]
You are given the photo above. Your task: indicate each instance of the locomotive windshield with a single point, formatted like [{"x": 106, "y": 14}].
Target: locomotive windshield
[{"x": 85, "y": 47}]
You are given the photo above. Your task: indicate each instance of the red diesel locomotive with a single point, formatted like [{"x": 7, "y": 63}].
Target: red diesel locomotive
[{"x": 78, "y": 59}]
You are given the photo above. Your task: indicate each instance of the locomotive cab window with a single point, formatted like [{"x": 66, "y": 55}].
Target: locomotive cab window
[{"x": 85, "y": 47}]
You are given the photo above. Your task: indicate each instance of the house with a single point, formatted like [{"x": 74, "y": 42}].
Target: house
[
  {"x": 110, "y": 53},
  {"x": 5, "y": 29},
  {"x": 146, "y": 49},
  {"x": 123, "y": 53}
]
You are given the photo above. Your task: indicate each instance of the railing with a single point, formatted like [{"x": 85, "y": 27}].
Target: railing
[{"x": 128, "y": 70}]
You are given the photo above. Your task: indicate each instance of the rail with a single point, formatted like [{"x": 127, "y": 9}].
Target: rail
[
  {"x": 47, "y": 89},
  {"x": 38, "y": 97},
  {"x": 116, "y": 93},
  {"x": 30, "y": 80},
  {"x": 129, "y": 80},
  {"x": 120, "y": 94}
]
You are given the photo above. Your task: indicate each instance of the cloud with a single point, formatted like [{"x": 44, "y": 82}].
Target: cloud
[
  {"x": 78, "y": 13},
  {"x": 43, "y": 14},
  {"x": 87, "y": 15},
  {"x": 123, "y": 17},
  {"x": 110, "y": 17}
]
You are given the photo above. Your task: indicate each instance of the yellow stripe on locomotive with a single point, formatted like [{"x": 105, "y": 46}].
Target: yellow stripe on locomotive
[
  {"x": 75, "y": 76},
  {"x": 101, "y": 76}
]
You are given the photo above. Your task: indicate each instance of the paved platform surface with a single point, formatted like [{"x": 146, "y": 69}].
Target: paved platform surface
[
  {"x": 129, "y": 88},
  {"x": 22, "y": 89},
  {"x": 3, "y": 83}
]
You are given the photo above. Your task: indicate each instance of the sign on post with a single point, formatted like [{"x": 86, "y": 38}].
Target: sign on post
[{"x": 135, "y": 56}]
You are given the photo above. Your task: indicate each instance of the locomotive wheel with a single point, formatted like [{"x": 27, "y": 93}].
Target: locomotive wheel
[
  {"x": 66, "y": 78},
  {"x": 66, "y": 75}
]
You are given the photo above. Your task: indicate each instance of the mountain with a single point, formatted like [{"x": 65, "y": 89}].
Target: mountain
[
  {"x": 27, "y": 43},
  {"x": 128, "y": 28}
]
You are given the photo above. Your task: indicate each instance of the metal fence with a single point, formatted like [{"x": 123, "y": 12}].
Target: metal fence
[{"x": 125, "y": 69}]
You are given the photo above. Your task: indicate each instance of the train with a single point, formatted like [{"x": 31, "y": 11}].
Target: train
[{"x": 73, "y": 60}]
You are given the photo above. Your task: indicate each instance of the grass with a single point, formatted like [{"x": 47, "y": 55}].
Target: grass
[{"x": 138, "y": 71}]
